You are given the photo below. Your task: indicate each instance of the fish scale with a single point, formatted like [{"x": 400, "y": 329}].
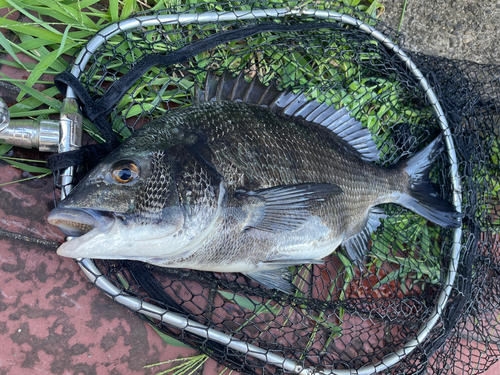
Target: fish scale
[{"x": 246, "y": 186}]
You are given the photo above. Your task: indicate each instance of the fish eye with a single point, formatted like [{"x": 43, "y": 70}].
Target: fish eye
[{"x": 125, "y": 172}]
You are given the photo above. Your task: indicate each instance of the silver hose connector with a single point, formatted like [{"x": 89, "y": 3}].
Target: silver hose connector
[
  {"x": 70, "y": 139},
  {"x": 4, "y": 115},
  {"x": 26, "y": 133},
  {"x": 71, "y": 126}
]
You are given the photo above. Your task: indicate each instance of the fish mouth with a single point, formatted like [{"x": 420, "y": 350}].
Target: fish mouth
[{"x": 74, "y": 222}]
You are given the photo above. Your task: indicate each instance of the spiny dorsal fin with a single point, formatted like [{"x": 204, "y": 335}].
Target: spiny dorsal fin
[{"x": 339, "y": 121}]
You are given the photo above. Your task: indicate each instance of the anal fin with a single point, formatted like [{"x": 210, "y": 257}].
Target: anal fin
[
  {"x": 293, "y": 262},
  {"x": 280, "y": 279},
  {"x": 357, "y": 245}
]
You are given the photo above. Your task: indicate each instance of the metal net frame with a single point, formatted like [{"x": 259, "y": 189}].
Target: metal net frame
[{"x": 428, "y": 298}]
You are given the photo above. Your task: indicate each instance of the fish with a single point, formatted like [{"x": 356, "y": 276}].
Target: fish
[{"x": 249, "y": 179}]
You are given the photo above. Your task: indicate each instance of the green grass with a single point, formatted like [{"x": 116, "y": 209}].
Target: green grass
[{"x": 185, "y": 366}]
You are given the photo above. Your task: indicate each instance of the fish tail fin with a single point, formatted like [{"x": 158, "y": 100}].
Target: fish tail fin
[{"x": 421, "y": 197}]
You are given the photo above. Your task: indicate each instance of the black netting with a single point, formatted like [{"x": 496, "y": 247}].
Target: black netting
[{"x": 340, "y": 317}]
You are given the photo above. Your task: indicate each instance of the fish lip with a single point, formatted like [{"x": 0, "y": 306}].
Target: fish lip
[{"x": 74, "y": 222}]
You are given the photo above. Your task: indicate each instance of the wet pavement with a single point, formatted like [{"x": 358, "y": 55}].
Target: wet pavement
[{"x": 52, "y": 320}]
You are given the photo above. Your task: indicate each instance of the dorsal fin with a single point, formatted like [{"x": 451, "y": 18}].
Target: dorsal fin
[{"x": 339, "y": 121}]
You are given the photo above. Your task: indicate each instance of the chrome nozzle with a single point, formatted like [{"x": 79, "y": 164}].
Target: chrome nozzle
[
  {"x": 4, "y": 115},
  {"x": 26, "y": 133},
  {"x": 45, "y": 134}
]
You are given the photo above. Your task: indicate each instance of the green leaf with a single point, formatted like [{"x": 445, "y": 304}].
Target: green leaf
[
  {"x": 26, "y": 179},
  {"x": 32, "y": 113},
  {"x": 34, "y": 43},
  {"x": 79, "y": 5},
  {"x": 31, "y": 103},
  {"x": 26, "y": 167},
  {"x": 123, "y": 281},
  {"x": 128, "y": 7},
  {"x": 22, "y": 8},
  {"x": 113, "y": 10},
  {"x": 244, "y": 302},
  {"x": 372, "y": 8},
  {"x": 4, "y": 148},
  {"x": 63, "y": 41},
  {"x": 69, "y": 15},
  {"x": 24, "y": 160},
  {"x": 394, "y": 275},
  {"x": 6, "y": 45},
  {"x": 31, "y": 29},
  {"x": 51, "y": 102},
  {"x": 42, "y": 67},
  {"x": 169, "y": 340},
  {"x": 15, "y": 64}
]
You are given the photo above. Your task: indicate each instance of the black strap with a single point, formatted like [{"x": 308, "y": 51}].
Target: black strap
[
  {"x": 89, "y": 155},
  {"x": 97, "y": 110}
]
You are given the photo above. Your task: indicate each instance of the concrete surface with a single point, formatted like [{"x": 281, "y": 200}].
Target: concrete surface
[{"x": 456, "y": 29}]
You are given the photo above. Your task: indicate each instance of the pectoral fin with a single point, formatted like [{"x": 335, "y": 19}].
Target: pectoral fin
[
  {"x": 357, "y": 245},
  {"x": 285, "y": 208}
]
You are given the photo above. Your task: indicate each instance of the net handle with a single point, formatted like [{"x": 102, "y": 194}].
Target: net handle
[{"x": 182, "y": 322}]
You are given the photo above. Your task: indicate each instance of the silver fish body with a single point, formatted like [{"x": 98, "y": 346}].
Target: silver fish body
[{"x": 249, "y": 186}]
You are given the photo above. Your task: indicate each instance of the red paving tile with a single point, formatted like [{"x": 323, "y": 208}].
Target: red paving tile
[{"x": 52, "y": 319}]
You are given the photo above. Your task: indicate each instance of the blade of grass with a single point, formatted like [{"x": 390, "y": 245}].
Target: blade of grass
[
  {"x": 127, "y": 10},
  {"x": 26, "y": 167},
  {"x": 34, "y": 53},
  {"x": 43, "y": 65},
  {"x": 168, "y": 339},
  {"x": 113, "y": 10},
  {"x": 66, "y": 14},
  {"x": 20, "y": 159},
  {"x": 402, "y": 16},
  {"x": 51, "y": 102},
  {"x": 245, "y": 302},
  {"x": 22, "y": 8},
  {"x": 32, "y": 29},
  {"x": 26, "y": 179},
  {"x": 372, "y": 8},
  {"x": 34, "y": 43},
  {"x": 14, "y": 64},
  {"x": 4, "y": 148},
  {"x": 7, "y": 47},
  {"x": 33, "y": 113},
  {"x": 31, "y": 103},
  {"x": 80, "y": 5}
]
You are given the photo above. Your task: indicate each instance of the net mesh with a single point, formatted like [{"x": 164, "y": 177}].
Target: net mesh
[{"x": 340, "y": 317}]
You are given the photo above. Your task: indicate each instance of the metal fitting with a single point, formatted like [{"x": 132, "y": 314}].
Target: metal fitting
[
  {"x": 4, "y": 115},
  {"x": 71, "y": 126},
  {"x": 43, "y": 134},
  {"x": 26, "y": 133}
]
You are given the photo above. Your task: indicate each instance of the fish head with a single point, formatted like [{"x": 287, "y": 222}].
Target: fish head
[{"x": 128, "y": 205}]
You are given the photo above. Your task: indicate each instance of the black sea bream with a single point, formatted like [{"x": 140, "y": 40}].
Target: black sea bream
[{"x": 249, "y": 179}]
